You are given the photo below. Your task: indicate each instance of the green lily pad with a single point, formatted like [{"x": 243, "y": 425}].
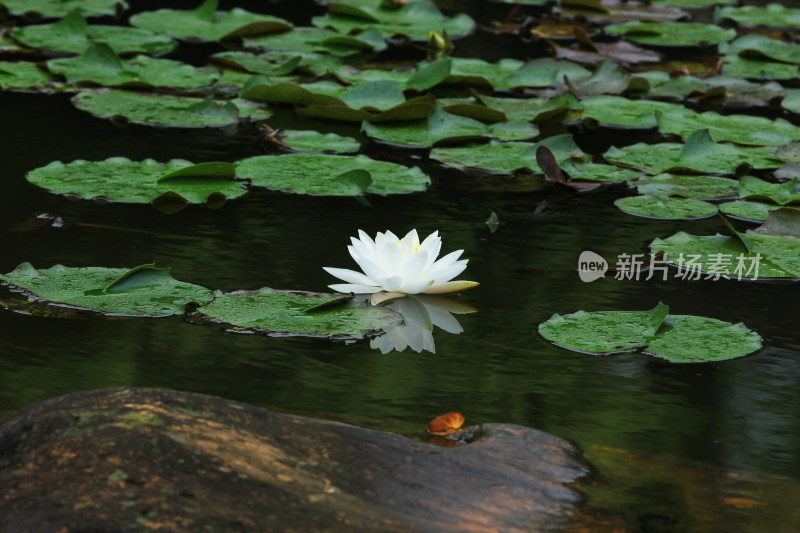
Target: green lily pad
[
  {"x": 279, "y": 63},
  {"x": 782, "y": 221},
  {"x": 618, "y": 111},
  {"x": 700, "y": 154},
  {"x": 692, "y": 4},
  {"x": 676, "y": 338},
  {"x": 741, "y": 129},
  {"x": 792, "y": 100},
  {"x": 780, "y": 193},
  {"x": 532, "y": 109},
  {"x": 99, "y": 64},
  {"x": 141, "y": 291},
  {"x": 440, "y": 128},
  {"x": 331, "y": 175},
  {"x": 22, "y": 75},
  {"x": 672, "y": 34},
  {"x": 72, "y": 34},
  {"x": 310, "y": 39},
  {"x": 119, "y": 179},
  {"x": 167, "y": 110},
  {"x": 312, "y": 141},
  {"x": 582, "y": 170},
  {"x": 616, "y": 11},
  {"x": 773, "y": 15},
  {"x": 60, "y": 8},
  {"x": 744, "y": 210},
  {"x": 686, "y": 186},
  {"x": 604, "y": 332},
  {"x": 413, "y": 19},
  {"x": 755, "y": 46},
  {"x": 607, "y": 78},
  {"x": 763, "y": 257},
  {"x": 666, "y": 208},
  {"x": 544, "y": 72},
  {"x": 735, "y": 65},
  {"x": 696, "y": 339},
  {"x": 206, "y": 23},
  {"x": 285, "y": 313}
]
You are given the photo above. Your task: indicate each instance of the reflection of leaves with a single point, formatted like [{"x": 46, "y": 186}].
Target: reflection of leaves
[{"x": 446, "y": 424}]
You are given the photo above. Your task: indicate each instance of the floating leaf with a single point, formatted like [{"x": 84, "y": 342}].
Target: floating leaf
[
  {"x": 753, "y": 211},
  {"x": 755, "y": 46},
  {"x": 676, "y": 338},
  {"x": 742, "y": 129},
  {"x": 205, "y": 22},
  {"x": 619, "y": 111},
  {"x": 783, "y": 221},
  {"x": 99, "y": 64},
  {"x": 441, "y": 127},
  {"x": 698, "y": 187},
  {"x": 616, "y": 11},
  {"x": 532, "y": 109},
  {"x": 774, "y": 15},
  {"x": 307, "y": 314},
  {"x": 318, "y": 173},
  {"x": 666, "y": 208},
  {"x": 446, "y": 424},
  {"x": 72, "y": 34},
  {"x": 312, "y": 141},
  {"x": 700, "y": 154},
  {"x": 413, "y": 19},
  {"x": 620, "y": 51},
  {"x": 608, "y": 78},
  {"x": 734, "y": 65},
  {"x": 780, "y": 193},
  {"x": 22, "y": 75},
  {"x": 163, "y": 109},
  {"x": 119, "y": 179},
  {"x": 506, "y": 157},
  {"x": 279, "y": 63},
  {"x": 670, "y": 34},
  {"x": 141, "y": 291},
  {"x": 60, "y": 8}
]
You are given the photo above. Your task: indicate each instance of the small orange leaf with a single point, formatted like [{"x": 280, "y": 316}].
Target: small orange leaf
[{"x": 446, "y": 424}]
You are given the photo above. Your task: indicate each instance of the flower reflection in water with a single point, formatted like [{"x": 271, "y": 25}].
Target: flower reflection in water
[{"x": 420, "y": 314}]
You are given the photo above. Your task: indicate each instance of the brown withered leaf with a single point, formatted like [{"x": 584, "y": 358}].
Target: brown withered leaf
[
  {"x": 446, "y": 424},
  {"x": 553, "y": 173},
  {"x": 622, "y": 51}
]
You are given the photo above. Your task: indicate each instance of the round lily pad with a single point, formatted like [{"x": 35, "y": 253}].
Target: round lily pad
[
  {"x": 666, "y": 208},
  {"x": 119, "y": 179},
  {"x": 168, "y": 110},
  {"x": 141, "y": 291},
  {"x": 687, "y": 186},
  {"x": 676, "y": 338},
  {"x": 285, "y": 313},
  {"x": 335, "y": 175},
  {"x": 744, "y": 210}
]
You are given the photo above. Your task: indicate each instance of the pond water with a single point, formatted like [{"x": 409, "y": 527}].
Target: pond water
[{"x": 734, "y": 418}]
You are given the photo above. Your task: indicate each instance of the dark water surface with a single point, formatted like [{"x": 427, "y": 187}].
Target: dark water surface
[{"x": 739, "y": 415}]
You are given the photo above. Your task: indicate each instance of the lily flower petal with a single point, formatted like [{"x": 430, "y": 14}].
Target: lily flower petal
[
  {"x": 355, "y": 289},
  {"x": 451, "y": 286}
]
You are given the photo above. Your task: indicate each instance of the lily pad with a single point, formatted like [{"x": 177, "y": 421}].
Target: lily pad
[
  {"x": 744, "y": 210},
  {"x": 99, "y": 64},
  {"x": 287, "y": 313},
  {"x": 167, "y": 110},
  {"x": 71, "y": 34},
  {"x": 608, "y": 78},
  {"x": 532, "y": 109},
  {"x": 331, "y": 174},
  {"x": 672, "y": 34},
  {"x": 119, "y": 179},
  {"x": 755, "y": 46},
  {"x": 279, "y": 63},
  {"x": 60, "y": 8},
  {"x": 440, "y": 127},
  {"x": 741, "y": 129},
  {"x": 310, "y": 39},
  {"x": 206, "y": 23},
  {"x": 780, "y": 193},
  {"x": 666, "y": 208},
  {"x": 312, "y": 141},
  {"x": 676, "y": 338},
  {"x": 773, "y": 15},
  {"x": 141, "y": 291},
  {"x": 700, "y": 155},
  {"x": 413, "y": 19},
  {"x": 735, "y": 65},
  {"x": 22, "y": 75},
  {"x": 618, "y": 111},
  {"x": 692, "y": 4},
  {"x": 687, "y": 186}
]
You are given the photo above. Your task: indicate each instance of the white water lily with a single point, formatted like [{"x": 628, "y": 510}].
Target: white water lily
[{"x": 400, "y": 265}]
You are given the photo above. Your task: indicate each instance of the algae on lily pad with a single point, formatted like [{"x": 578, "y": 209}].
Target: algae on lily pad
[
  {"x": 666, "y": 208},
  {"x": 672, "y": 34},
  {"x": 290, "y": 313},
  {"x": 99, "y": 64},
  {"x": 676, "y": 338},
  {"x": 141, "y": 291},
  {"x": 72, "y": 34},
  {"x": 205, "y": 22},
  {"x": 60, "y": 8},
  {"x": 119, "y": 179},
  {"x": 333, "y": 175},
  {"x": 687, "y": 186},
  {"x": 700, "y": 155},
  {"x": 168, "y": 110}
]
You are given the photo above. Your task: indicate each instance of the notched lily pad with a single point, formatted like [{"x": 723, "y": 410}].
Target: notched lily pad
[
  {"x": 687, "y": 186},
  {"x": 206, "y": 23},
  {"x": 296, "y": 313},
  {"x": 119, "y": 179},
  {"x": 168, "y": 110},
  {"x": 666, "y": 208},
  {"x": 676, "y": 338},
  {"x": 312, "y": 141},
  {"x": 333, "y": 175},
  {"x": 780, "y": 193},
  {"x": 141, "y": 291}
]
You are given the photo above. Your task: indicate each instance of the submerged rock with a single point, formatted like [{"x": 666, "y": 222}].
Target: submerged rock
[{"x": 129, "y": 459}]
